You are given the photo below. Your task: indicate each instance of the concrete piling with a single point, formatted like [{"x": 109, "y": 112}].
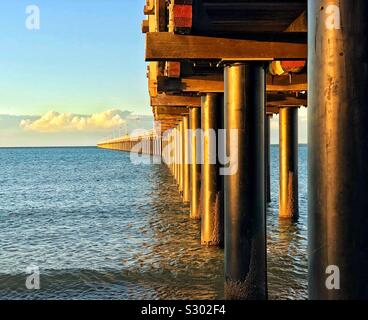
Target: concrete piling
[
  {"x": 338, "y": 149},
  {"x": 245, "y": 240},
  {"x": 288, "y": 198},
  {"x": 195, "y": 163},
  {"x": 185, "y": 157},
  {"x": 211, "y": 206}
]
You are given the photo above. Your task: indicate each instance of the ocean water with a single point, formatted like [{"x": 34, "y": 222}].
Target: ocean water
[{"x": 98, "y": 227}]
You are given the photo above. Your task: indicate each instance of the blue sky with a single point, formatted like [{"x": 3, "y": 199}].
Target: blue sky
[
  {"x": 85, "y": 64},
  {"x": 87, "y": 56},
  {"x": 72, "y": 81}
]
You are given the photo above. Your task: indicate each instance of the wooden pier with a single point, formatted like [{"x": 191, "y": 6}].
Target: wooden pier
[{"x": 229, "y": 66}]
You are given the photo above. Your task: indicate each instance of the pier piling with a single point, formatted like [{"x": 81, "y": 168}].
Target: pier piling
[
  {"x": 181, "y": 157},
  {"x": 267, "y": 158},
  {"x": 338, "y": 149},
  {"x": 245, "y": 247},
  {"x": 175, "y": 166},
  {"x": 289, "y": 199},
  {"x": 178, "y": 159},
  {"x": 185, "y": 156},
  {"x": 211, "y": 207},
  {"x": 195, "y": 163}
]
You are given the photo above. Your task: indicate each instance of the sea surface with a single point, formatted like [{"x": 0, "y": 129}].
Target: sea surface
[{"x": 96, "y": 226}]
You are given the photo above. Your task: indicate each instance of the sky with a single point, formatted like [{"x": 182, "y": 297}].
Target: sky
[
  {"x": 79, "y": 78},
  {"x": 86, "y": 61}
]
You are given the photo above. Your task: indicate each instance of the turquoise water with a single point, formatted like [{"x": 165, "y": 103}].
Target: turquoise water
[{"x": 99, "y": 227}]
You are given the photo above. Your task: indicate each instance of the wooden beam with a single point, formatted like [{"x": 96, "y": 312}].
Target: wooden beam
[
  {"x": 168, "y": 117},
  {"x": 215, "y": 83},
  {"x": 273, "y": 100},
  {"x": 160, "y": 11},
  {"x": 297, "y": 82},
  {"x": 212, "y": 83},
  {"x": 145, "y": 26},
  {"x": 165, "y": 125},
  {"x": 175, "y": 101},
  {"x": 166, "y": 122},
  {"x": 287, "y": 88},
  {"x": 272, "y": 110},
  {"x": 149, "y": 8},
  {"x": 278, "y": 100},
  {"x": 165, "y": 117},
  {"x": 168, "y": 46},
  {"x": 171, "y": 110},
  {"x": 286, "y": 100}
]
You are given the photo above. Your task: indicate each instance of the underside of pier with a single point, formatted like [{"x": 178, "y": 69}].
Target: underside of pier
[{"x": 217, "y": 72}]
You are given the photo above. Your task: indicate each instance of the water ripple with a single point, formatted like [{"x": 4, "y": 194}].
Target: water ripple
[{"x": 100, "y": 227}]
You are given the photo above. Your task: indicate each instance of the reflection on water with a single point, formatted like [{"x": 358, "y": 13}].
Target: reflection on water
[
  {"x": 287, "y": 241},
  {"x": 101, "y": 228}
]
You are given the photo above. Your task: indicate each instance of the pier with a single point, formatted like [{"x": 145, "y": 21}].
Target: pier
[{"x": 217, "y": 72}]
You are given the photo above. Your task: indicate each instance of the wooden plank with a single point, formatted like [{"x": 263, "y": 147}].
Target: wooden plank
[
  {"x": 175, "y": 101},
  {"x": 166, "y": 125},
  {"x": 149, "y": 8},
  {"x": 286, "y": 101},
  {"x": 215, "y": 83},
  {"x": 145, "y": 26},
  {"x": 273, "y": 100},
  {"x": 296, "y": 82},
  {"x": 160, "y": 11},
  {"x": 152, "y": 87},
  {"x": 171, "y": 110},
  {"x": 173, "y": 120},
  {"x": 207, "y": 83},
  {"x": 289, "y": 87},
  {"x": 168, "y": 46},
  {"x": 272, "y": 110},
  {"x": 168, "y": 122},
  {"x": 172, "y": 69},
  {"x": 164, "y": 117}
]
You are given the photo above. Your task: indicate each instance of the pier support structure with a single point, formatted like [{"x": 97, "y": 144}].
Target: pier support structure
[
  {"x": 195, "y": 162},
  {"x": 177, "y": 168},
  {"x": 180, "y": 157},
  {"x": 211, "y": 204},
  {"x": 288, "y": 198},
  {"x": 185, "y": 157},
  {"x": 175, "y": 154},
  {"x": 338, "y": 149},
  {"x": 268, "y": 157},
  {"x": 245, "y": 240},
  {"x": 170, "y": 151}
]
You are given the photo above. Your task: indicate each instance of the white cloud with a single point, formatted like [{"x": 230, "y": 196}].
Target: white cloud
[{"x": 68, "y": 122}]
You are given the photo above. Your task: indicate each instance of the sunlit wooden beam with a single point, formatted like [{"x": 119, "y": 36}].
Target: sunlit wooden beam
[{"x": 166, "y": 46}]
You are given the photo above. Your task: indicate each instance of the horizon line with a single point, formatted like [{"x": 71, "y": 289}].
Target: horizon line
[{"x": 88, "y": 146}]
